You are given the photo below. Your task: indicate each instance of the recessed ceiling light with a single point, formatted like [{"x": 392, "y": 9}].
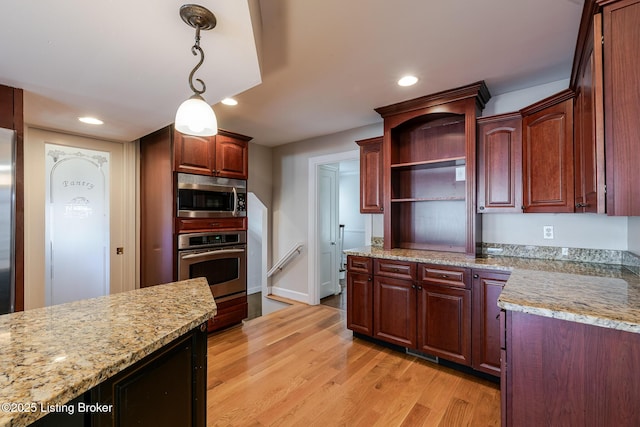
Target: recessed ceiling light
[
  {"x": 408, "y": 81},
  {"x": 91, "y": 120},
  {"x": 229, "y": 101}
]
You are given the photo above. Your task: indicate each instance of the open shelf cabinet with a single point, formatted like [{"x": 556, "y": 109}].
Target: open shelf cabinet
[{"x": 429, "y": 171}]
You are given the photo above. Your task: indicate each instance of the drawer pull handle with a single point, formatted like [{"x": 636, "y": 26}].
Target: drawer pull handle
[{"x": 444, "y": 276}]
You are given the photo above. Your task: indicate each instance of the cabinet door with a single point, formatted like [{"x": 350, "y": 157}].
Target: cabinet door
[
  {"x": 360, "y": 303},
  {"x": 500, "y": 163},
  {"x": 231, "y": 157},
  {"x": 166, "y": 388},
  {"x": 485, "y": 342},
  {"x": 621, "y": 106},
  {"x": 394, "y": 311},
  {"x": 371, "y": 175},
  {"x": 589, "y": 128},
  {"x": 547, "y": 144},
  {"x": 444, "y": 322},
  {"x": 193, "y": 154},
  {"x": 157, "y": 207}
]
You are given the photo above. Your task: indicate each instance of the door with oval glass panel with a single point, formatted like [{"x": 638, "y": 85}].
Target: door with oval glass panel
[{"x": 87, "y": 220}]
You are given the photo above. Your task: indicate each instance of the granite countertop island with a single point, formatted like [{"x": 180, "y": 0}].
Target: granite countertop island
[
  {"x": 51, "y": 355},
  {"x": 599, "y": 294}
]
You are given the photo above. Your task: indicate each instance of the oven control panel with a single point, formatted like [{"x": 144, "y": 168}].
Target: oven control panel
[{"x": 208, "y": 240}]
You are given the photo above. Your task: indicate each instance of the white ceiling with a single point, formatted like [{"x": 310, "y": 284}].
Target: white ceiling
[{"x": 324, "y": 65}]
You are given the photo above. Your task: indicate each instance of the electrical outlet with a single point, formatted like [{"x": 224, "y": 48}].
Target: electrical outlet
[
  {"x": 565, "y": 251},
  {"x": 547, "y": 232}
]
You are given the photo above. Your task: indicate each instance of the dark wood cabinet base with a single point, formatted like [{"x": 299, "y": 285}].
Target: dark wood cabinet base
[
  {"x": 167, "y": 388},
  {"x": 230, "y": 312}
]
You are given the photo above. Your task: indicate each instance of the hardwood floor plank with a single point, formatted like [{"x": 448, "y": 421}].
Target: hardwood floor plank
[{"x": 300, "y": 366}]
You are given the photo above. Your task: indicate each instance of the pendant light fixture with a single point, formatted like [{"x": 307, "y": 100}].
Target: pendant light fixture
[{"x": 195, "y": 116}]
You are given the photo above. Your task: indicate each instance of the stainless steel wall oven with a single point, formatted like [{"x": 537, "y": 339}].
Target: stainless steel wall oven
[{"x": 221, "y": 257}]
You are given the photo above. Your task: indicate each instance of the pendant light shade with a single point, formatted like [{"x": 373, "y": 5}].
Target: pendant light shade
[{"x": 196, "y": 117}]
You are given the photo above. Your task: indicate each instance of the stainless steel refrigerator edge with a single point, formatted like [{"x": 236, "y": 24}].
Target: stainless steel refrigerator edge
[{"x": 7, "y": 220}]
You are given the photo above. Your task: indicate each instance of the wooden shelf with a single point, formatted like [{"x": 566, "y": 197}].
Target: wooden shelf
[{"x": 440, "y": 163}]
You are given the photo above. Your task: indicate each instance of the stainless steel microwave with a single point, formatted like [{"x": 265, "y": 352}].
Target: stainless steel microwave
[{"x": 201, "y": 196}]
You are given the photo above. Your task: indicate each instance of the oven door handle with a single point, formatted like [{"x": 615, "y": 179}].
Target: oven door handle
[
  {"x": 235, "y": 202},
  {"x": 208, "y": 253}
]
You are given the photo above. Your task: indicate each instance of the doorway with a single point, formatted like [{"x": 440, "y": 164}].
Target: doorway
[
  {"x": 120, "y": 243},
  {"x": 324, "y": 229}
]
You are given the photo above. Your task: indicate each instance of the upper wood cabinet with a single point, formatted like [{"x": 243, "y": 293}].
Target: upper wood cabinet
[
  {"x": 224, "y": 155},
  {"x": 371, "y": 165},
  {"x": 547, "y": 145},
  {"x": 621, "y": 31},
  {"x": 588, "y": 134},
  {"x": 232, "y": 155},
  {"x": 429, "y": 155},
  {"x": 500, "y": 163}
]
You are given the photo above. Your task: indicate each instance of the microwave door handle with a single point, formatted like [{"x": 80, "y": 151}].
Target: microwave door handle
[
  {"x": 220, "y": 252},
  {"x": 235, "y": 202}
]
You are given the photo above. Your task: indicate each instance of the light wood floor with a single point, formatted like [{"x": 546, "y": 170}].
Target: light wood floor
[{"x": 301, "y": 367}]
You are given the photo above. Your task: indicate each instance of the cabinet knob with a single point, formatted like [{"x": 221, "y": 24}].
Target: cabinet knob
[
  {"x": 419, "y": 288},
  {"x": 475, "y": 276},
  {"x": 413, "y": 286},
  {"x": 581, "y": 205},
  {"x": 481, "y": 208},
  {"x": 369, "y": 278},
  {"x": 381, "y": 208}
]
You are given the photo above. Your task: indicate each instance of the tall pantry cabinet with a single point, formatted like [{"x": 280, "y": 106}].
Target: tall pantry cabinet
[{"x": 163, "y": 153}]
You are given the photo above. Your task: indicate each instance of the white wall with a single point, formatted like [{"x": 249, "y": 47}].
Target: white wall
[
  {"x": 589, "y": 231},
  {"x": 518, "y": 99},
  {"x": 290, "y": 200}
]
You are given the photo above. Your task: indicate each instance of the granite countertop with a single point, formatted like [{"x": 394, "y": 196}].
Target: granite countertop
[
  {"x": 599, "y": 294},
  {"x": 51, "y": 355}
]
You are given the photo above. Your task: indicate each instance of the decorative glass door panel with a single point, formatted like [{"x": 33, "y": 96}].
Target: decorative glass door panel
[{"x": 77, "y": 224}]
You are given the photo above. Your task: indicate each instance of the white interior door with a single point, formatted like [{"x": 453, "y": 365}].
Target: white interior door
[
  {"x": 79, "y": 217},
  {"x": 327, "y": 220}
]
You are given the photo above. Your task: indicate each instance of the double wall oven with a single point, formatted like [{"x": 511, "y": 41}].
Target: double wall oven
[{"x": 214, "y": 250}]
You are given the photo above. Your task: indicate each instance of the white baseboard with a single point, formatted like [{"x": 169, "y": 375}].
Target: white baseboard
[
  {"x": 289, "y": 294},
  {"x": 254, "y": 290}
]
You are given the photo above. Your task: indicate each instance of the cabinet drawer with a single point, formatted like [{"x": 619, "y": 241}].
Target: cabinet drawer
[
  {"x": 448, "y": 276},
  {"x": 207, "y": 224},
  {"x": 395, "y": 269},
  {"x": 359, "y": 264}
]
